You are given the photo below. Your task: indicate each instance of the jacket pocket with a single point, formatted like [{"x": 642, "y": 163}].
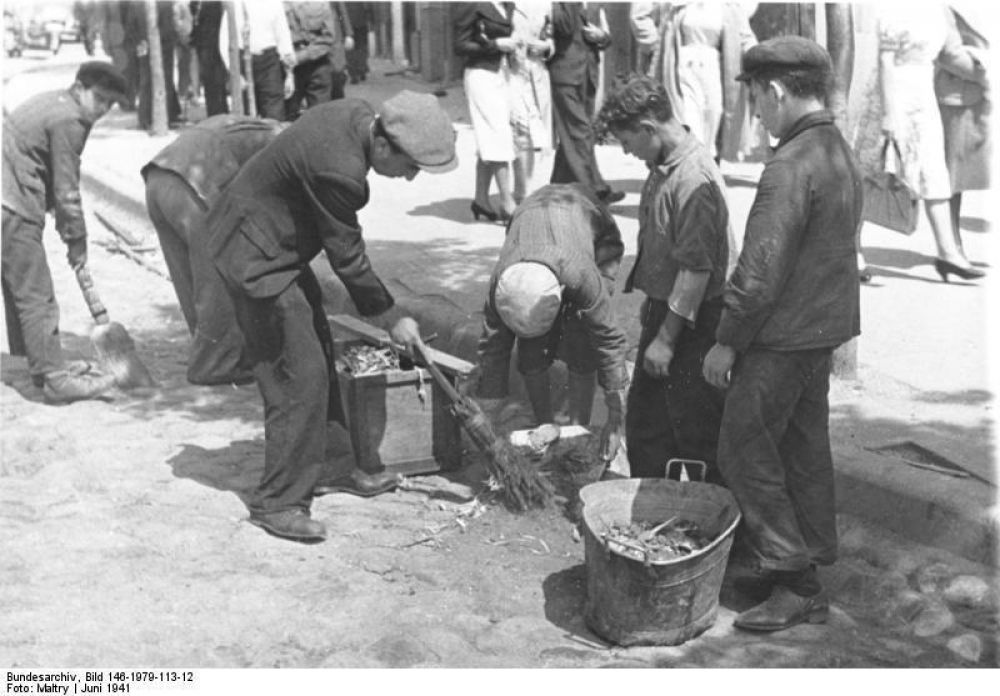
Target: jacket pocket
[{"x": 259, "y": 237}]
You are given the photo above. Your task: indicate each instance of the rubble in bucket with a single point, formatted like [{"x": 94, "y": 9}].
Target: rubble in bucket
[
  {"x": 369, "y": 360},
  {"x": 669, "y": 540}
]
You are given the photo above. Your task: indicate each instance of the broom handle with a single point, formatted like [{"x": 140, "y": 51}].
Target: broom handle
[
  {"x": 93, "y": 300},
  {"x": 436, "y": 373}
]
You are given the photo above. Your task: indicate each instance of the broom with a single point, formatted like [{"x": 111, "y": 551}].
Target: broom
[
  {"x": 115, "y": 348},
  {"x": 522, "y": 486}
]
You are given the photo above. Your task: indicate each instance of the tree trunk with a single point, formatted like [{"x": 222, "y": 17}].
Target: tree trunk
[
  {"x": 840, "y": 44},
  {"x": 235, "y": 90},
  {"x": 158, "y": 101}
]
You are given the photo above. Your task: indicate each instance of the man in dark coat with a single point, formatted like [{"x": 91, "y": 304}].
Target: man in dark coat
[
  {"x": 137, "y": 27},
  {"x": 300, "y": 195},
  {"x": 43, "y": 140},
  {"x": 791, "y": 300},
  {"x": 573, "y": 72},
  {"x": 206, "y": 27},
  {"x": 318, "y": 30},
  {"x": 361, "y": 17},
  {"x": 550, "y": 292},
  {"x": 183, "y": 181}
]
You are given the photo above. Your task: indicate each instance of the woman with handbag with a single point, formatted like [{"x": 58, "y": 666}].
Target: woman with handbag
[
  {"x": 906, "y": 111},
  {"x": 483, "y": 39},
  {"x": 530, "y": 95}
]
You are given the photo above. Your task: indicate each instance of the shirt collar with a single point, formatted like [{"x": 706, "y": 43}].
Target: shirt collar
[
  {"x": 688, "y": 144},
  {"x": 810, "y": 120}
]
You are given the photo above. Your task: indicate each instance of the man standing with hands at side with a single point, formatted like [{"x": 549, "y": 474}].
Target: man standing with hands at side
[
  {"x": 298, "y": 196},
  {"x": 791, "y": 300}
]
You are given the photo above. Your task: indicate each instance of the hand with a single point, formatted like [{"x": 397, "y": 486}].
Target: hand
[
  {"x": 656, "y": 359},
  {"x": 593, "y": 34},
  {"x": 142, "y": 49},
  {"x": 718, "y": 364},
  {"x": 538, "y": 47},
  {"x": 505, "y": 44},
  {"x": 76, "y": 253},
  {"x": 406, "y": 332},
  {"x": 611, "y": 438},
  {"x": 289, "y": 87},
  {"x": 349, "y": 43}
]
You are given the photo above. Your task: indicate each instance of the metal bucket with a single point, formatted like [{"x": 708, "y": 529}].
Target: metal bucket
[{"x": 632, "y": 602}]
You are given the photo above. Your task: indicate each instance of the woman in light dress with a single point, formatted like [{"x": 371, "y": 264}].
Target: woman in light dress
[{"x": 902, "y": 105}]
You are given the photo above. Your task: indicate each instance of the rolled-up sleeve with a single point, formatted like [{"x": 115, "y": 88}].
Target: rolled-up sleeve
[
  {"x": 774, "y": 225},
  {"x": 66, "y": 143}
]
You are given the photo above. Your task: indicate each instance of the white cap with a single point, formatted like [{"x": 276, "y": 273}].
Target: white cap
[{"x": 527, "y": 298}]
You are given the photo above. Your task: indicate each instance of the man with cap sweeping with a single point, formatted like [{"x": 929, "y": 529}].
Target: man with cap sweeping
[
  {"x": 43, "y": 140},
  {"x": 298, "y": 196},
  {"x": 182, "y": 182},
  {"x": 791, "y": 300},
  {"x": 550, "y": 292}
]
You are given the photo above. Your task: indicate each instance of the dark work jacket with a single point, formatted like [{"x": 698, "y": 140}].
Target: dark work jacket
[
  {"x": 477, "y": 27},
  {"x": 296, "y": 197},
  {"x": 563, "y": 227},
  {"x": 795, "y": 286},
  {"x": 43, "y": 140},
  {"x": 208, "y": 155},
  {"x": 574, "y": 61}
]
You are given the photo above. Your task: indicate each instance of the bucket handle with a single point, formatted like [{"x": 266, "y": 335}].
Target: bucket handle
[{"x": 692, "y": 469}]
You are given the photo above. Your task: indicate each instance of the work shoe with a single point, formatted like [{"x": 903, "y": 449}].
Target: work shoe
[
  {"x": 358, "y": 483},
  {"x": 295, "y": 525},
  {"x": 74, "y": 384},
  {"x": 610, "y": 196},
  {"x": 784, "y": 609}
]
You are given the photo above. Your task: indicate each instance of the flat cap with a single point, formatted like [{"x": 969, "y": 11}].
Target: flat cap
[
  {"x": 417, "y": 125},
  {"x": 97, "y": 73},
  {"x": 528, "y": 297},
  {"x": 784, "y": 53}
]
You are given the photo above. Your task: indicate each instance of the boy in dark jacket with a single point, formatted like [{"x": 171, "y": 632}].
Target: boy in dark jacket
[{"x": 43, "y": 140}]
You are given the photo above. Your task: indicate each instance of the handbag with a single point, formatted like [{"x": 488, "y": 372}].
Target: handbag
[{"x": 888, "y": 199}]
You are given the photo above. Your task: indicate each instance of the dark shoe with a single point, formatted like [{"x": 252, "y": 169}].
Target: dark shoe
[
  {"x": 358, "y": 483},
  {"x": 945, "y": 267},
  {"x": 610, "y": 196},
  {"x": 66, "y": 386},
  {"x": 295, "y": 525},
  {"x": 865, "y": 275},
  {"x": 478, "y": 210},
  {"x": 784, "y": 609}
]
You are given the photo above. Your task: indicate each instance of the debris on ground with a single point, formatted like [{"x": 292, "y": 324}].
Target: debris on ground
[{"x": 369, "y": 360}]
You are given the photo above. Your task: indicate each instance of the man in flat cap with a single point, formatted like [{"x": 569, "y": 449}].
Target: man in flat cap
[
  {"x": 43, "y": 140},
  {"x": 182, "y": 182},
  {"x": 298, "y": 196},
  {"x": 791, "y": 300},
  {"x": 550, "y": 292}
]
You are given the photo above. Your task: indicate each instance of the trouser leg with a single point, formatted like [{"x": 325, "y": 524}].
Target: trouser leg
[
  {"x": 30, "y": 302},
  {"x": 269, "y": 85},
  {"x": 761, "y": 423},
  {"x": 291, "y": 372},
  {"x": 574, "y": 160}
]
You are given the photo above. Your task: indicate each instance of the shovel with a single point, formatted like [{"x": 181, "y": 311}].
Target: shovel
[{"x": 115, "y": 348}]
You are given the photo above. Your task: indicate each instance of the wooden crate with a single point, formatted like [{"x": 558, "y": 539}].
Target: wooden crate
[{"x": 391, "y": 427}]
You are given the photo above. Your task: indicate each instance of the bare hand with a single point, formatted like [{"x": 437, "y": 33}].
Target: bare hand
[
  {"x": 76, "y": 253},
  {"x": 505, "y": 44},
  {"x": 718, "y": 364},
  {"x": 349, "y": 43},
  {"x": 611, "y": 438},
  {"x": 656, "y": 359},
  {"x": 593, "y": 34},
  {"x": 406, "y": 332}
]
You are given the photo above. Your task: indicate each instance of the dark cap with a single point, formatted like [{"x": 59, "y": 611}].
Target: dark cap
[
  {"x": 96, "y": 73},
  {"x": 784, "y": 53},
  {"x": 417, "y": 125}
]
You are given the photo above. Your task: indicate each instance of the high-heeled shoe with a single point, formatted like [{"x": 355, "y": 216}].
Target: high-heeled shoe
[
  {"x": 865, "y": 275},
  {"x": 945, "y": 267},
  {"x": 478, "y": 210}
]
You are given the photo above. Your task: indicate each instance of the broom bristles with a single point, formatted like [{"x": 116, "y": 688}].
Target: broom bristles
[{"x": 116, "y": 352}]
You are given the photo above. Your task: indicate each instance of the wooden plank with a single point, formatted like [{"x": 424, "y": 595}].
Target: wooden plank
[{"x": 449, "y": 364}]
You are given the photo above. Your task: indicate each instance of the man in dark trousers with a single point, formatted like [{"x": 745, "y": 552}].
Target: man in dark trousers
[
  {"x": 207, "y": 25},
  {"x": 300, "y": 195},
  {"x": 183, "y": 181},
  {"x": 137, "y": 27},
  {"x": 791, "y": 300},
  {"x": 573, "y": 72},
  {"x": 361, "y": 17},
  {"x": 316, "y": 35},
  {"x": 43, "y": 140},
  {"x": 684, "y": 247},
  {"x": 550, "y": 292}
]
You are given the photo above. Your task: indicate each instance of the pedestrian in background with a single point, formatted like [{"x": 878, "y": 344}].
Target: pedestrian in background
[
  {"x": 701, "y": 44},
  {"x": 684, "y": 245},
  {"x": 183, "y": 181},
  {"x": 299, "y": 196},
  {"x": 138, "y": 26},
  {"x": 119, "y": 45},
  {"x": 530, "y": 91},
  {"x": 579, "y": 33},
  {"x": 362, "y": 18},
  {"x": 966, "y": 109},
  {"x": 343, "y": 42},
  {"x": 43, "y": 140},
  {"x": 206, "y": 29},
  {"x": 644, "y": 21},
  {"x": 312, "y": 27},
  {"x": 550, "y": 294},
  {"x": 483, "y": 39},
  {"x": 263, "y": 30},
  {"x": 792, "y": 298}
]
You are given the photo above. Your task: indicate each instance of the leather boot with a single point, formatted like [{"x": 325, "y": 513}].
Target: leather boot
[
  {"x": 359, "y": 483},
  {"x": 784, "y": 609},
  {"x": 295, "y": 525}
]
